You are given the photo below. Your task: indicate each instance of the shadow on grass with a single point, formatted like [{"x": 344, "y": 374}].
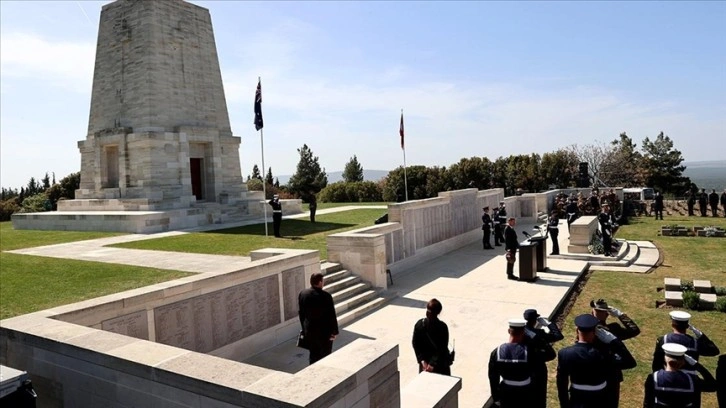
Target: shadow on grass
[{"x": 290, "y": 229}]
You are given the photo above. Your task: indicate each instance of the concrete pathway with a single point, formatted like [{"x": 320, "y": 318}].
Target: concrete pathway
[{"x": 470, "y": 282}]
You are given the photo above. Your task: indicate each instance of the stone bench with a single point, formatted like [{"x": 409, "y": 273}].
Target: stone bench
[
  {"x": 581, "y": 233},
  {"x": 702, "y": 286},
  {"x": 672, "y": 284}
]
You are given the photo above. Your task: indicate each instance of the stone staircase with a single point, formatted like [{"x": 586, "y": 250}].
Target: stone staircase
[
  {"x": 633, "y": 256},
  {"x": 353, "y": 298}
]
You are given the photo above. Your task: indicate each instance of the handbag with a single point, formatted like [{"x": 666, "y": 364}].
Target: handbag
[
  {"x": 452, "y": 354},
  {"x": 302, "y": 341}
]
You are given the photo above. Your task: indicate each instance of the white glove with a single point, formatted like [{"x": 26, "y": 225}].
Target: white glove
[
  {"x": 615, "y": 312},
  {"x": 695, "y": 331},
  {"x": 690, "y": 360},
  {"x": 529, "y": 333},
  {"x": 604, "y": 335},
  {"x": 543, "y": 321}
]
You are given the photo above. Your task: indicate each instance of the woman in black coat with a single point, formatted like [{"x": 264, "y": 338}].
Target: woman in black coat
[{"x": 431, "y": 341}]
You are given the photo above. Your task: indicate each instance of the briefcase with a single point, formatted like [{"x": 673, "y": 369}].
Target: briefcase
[{"x": 302, "y": 342}]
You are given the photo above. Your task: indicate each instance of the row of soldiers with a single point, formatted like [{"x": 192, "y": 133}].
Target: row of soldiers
[
  {"x": 589, "y": 372},
  {"x": 704, "y": 198},
  {"x": 582, "y": 205},
  {"x": 498, "y": 220}
]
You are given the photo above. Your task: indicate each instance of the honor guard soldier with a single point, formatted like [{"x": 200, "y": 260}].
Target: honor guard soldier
[
  {"x": 584, "y": 369},
  {"x": 606, "y": 227},
  {"x": 553, "y": 224},
  {"x": 486, "y": 226},
  {"x": 696, "y": 347},
  {"x": 276, "y": 214},
  {"x": 674, "y": 386},
  {"x": 500, "y": 222},
  {"x": 537, "y": 337},
  {"x": 513, "y": 366},
  {"x": 601, "y": 310},
  {"x": 572, "y": 211}
]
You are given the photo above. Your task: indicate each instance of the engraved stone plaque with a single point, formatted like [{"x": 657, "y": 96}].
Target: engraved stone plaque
[
  {"x": 293, "y": 281},
  {"x": 134, "y": 324}
]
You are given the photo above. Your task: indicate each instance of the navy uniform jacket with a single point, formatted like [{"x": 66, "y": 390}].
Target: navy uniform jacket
[
  {"x": 553, "y": 223},
  {"x": 605, "y": 225},
  {"x": 502, "y": 216},
  {"x": 695, "y": 348},
  {"x": 517, "y": 365},
  {"x": 317, "y": 314},
  {"x": 583, "y": 371},
  {"x": 486, "y": 221},
  {"x": 677, "y": 388},
  {"x": 276, "y": 205},
  {"x": 510, "y": 239}
]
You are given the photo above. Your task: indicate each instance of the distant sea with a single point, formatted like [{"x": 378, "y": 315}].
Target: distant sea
[{"x": 707, "y": 174}]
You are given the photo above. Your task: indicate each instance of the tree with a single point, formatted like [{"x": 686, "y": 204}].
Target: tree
[
  {"x": 277, "y": 183},
  {"x": 353, "y": 171},
  {"x": 663, "y": 164},
  {"x": 65, "y": 189},
  {"x": 417, "y": 178},
  {"x": 623, "y": 165},
  {"x": 594, "y": 155},
  {"x": 256, "y": 173},
  {"x": 559, "y": 168},
  {"x": 46, "y": 181},
  {"x": 309, "y": 177},
  {"x": 268, "y": 177}
]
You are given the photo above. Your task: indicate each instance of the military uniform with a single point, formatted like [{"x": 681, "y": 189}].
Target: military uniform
[
  {"x": 500, "y": 219},
  {"x": 691, "y": 202},
  {"x": 658, "y": 206},
  {"x": 510, "y": 246},
  {"x": 713, "y": 201},
  {"x": 606, "y": 227},
  {"x": 584, "y": 369},
  {"x": 695, "y": 347},
  {"x": 702, "y": 202},
  {"x": 572, "y": 211},
  {"x": 553, "y": 228},
  {"x": 276, "y": 215},
  {"x": 513, "y": 370},
  {"x": 539, "y": 339},
  {"x": 486, "y": 226},
  {"x": 672, "y": 387}
]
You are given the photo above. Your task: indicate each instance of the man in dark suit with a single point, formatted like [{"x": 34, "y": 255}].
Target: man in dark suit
[
  {"x": 317, "y": 318},
  {"x": 702, "y": 202},
  {"x": 486, "y": 226},
  {"x": 713, "y": 202},
  {"x": 510, "y": 246}
]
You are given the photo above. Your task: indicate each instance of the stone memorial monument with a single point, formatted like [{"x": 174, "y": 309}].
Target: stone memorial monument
[{"x": 159, "y": 153}]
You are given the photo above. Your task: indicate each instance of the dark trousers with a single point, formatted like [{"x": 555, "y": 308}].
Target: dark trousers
[
  {"x": 276, "y": 221},
  {"x": 607, "y": 242},
  {"x": 313, "y": 208},
  {"x": 690, "y": 208},
  {"x": 555, "y": 243},
  {"x": 486, "y": 239},
  {"x": 702, "y": 207},
  {"x": 498, "y": 234},
  {"x": 658, "y": 212},
  {"x": 511, "y": 259},
  {"x": 320, "y": 348},
  {"x": 714, "y": 210}
]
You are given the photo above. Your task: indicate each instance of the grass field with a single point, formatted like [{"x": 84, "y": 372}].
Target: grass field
[
  {"x": 297, "y": 234},
  {"x": 687, "y": 258}
]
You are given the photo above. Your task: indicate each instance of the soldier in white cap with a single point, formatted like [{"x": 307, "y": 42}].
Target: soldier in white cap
[
  {"x": 584, "y": 370},
  {"x": 674, "y": 386},
  {"x": 500, "y": 222},
  {"x": 276, "y": 214},
  {"x": 513, "y": 368},
  {"x": 536, "y": 336},
  {"x": 696, "y": 347}
]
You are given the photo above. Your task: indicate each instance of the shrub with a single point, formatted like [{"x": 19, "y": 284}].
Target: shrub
[
  {"x": 721, "y": 304},
  {"x": 720, "y": 290},
  {"x": 36, "y": 203},
  {"x": 691, "y": 300},
  {"x": 686, "y": 286},
  {"x": 355, "y": 192},
  {"x": 7, "y": 208}
]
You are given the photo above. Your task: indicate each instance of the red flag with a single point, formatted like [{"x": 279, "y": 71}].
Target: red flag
[{"x": 400, "y": 131}]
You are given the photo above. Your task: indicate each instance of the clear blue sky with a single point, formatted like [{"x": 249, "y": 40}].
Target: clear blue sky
[{"x": 474, "y": 79}]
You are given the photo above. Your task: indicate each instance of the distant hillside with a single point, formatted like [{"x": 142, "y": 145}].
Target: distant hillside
[
  {"x": 707, "y": 174},
  {"x": 334, "y": 176}
]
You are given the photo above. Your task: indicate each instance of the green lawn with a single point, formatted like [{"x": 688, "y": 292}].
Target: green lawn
[
  {"x": 297, "y": 234},
  {"x": 687, "y": 258}
]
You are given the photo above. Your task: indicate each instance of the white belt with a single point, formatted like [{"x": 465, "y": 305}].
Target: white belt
[
  {"x": 517, "y": 383},
  {"x": 585, "y": 387},
  {"x": 277, "y": 211},
  {"x": 554, "y": 227}
]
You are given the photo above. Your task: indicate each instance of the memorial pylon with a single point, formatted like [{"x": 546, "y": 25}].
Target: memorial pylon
[{"x": 159, "y": 153}]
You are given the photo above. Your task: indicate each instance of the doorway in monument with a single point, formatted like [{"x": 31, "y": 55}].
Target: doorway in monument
[{"x": 196, "y": 167}]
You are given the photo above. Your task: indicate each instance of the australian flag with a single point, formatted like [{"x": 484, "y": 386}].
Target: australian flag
[{"x": 258, "y": 106}]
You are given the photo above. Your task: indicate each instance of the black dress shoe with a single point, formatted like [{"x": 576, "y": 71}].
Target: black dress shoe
[
  {"x": 512, "y": 277},
  {"x": 555, "y": 253}
]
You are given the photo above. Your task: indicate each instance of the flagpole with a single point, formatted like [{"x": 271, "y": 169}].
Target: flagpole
[
  {"x": 264, "y": 188},
  {"x": 262, "y": 150},
  {"x": 403, "y": 146}
]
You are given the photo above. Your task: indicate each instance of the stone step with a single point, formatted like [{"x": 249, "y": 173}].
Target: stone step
[
  {"x": 355, "y": 301},
  {"x": 330, "y": 278},
  {"x": 361, "y": 310},
  {"x": 342, "y": 283},
  {"x": 330, "y": 267},
  {"x": 352, "y": 290}
]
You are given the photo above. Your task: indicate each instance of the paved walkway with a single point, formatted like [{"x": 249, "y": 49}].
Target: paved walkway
[{"x": 470, "y": 282}]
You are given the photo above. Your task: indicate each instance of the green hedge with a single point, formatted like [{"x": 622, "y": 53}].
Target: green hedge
[{"x": 355, "y": 192}]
